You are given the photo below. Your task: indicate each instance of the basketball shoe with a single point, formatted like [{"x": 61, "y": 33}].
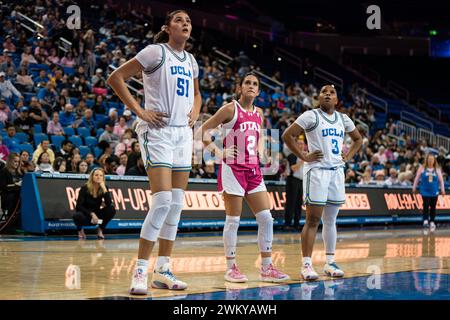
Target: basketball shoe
[
  {"x": 234, "y": 275},
  {"x": 163, "y": 278},
  {"x": 271, "y": 274},
  {"x": 139, "y": 282}
]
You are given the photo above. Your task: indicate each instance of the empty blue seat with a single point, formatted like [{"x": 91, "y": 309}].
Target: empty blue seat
[
  {"x": 76, "y": 140},
  {"x": 37, "y": 128},
  {"x": 97, "y": 152},
  {"x": 84, "y": 132},
  {"x": 99, "y": 132},
  {"x": 27, "y": 147},
  {"x": 69, "y": 131},
  {"x": 38, "y": 137},
  {"x": 100, "y": 119},
  {"x": 91, "y": 141},
  {"x": 57, "y": 141},
  {"x": 84, "y": 150},
  {"x": 90, "y": 103},
  {"x": 21, "y": 136}
]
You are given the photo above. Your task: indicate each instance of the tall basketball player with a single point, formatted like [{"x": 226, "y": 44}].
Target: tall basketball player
[
  {"x": 240, "y": 176},
  {"x": 324, "y": 179},
  {"x": 172, "y": 105}
]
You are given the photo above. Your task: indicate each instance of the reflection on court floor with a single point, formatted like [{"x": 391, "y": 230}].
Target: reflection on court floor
[{"x": 379, "y": 264}]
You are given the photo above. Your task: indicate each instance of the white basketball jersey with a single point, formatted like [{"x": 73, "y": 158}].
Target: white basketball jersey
[
  {"x": 168, "y": 78},
  {"x": 325, "y": 133}
]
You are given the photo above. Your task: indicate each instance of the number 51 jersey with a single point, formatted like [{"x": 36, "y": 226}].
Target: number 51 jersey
[
  {"x": 326, "y": 133},
  {"x": 243, "y": 132}
]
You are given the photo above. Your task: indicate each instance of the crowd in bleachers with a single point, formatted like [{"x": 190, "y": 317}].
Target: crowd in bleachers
[{"x": 58, "y": 114}]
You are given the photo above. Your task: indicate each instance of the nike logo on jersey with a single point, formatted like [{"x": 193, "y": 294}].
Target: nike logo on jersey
[
  {"x": 332, "y": 132},
  {"x": 174, "y": 70}
]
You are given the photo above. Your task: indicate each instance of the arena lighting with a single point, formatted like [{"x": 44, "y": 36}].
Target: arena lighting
[
  {"x": 279, "y": 58},
  {"x": 433, "y": 32},
  {"x": 254, "y": 45}
]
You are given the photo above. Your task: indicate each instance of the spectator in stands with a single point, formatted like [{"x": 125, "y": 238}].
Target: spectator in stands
[
  {"x": 133, "y": 156},
  {"x": 44, "y": 146},
  {"x": 67, "y": 118},
  {"x": 123, "y": 164},
  {"x": 393, "y": 178},
  {"x": 111, "y": 165},
  {"x": 109, "y": 136},
  {"x": 5, "y": 112},
  {"x": 380, "y": 178},
  {"x": 48, "y": 96},
  {"x": 381, "y": 154},
  {"x": 125, "y": 143},
  {"x": 25, "y": 164},
  {"x": 24, "y": 122},
  {"x": 8, "y": 64},
  {"x": 72, "y": 164},
  {"x": 90, "y": 160},
  {"x": 16, "y": 112},
  {"x": 43, "y": 163},
  {"x": 367, "y": 177},
  {"x": 8, "y": 44},
  {"x": 120, "y": 126},
  {"x": 99, "y": 107},
  {"x": 92, "y": 196},
  {"x": 138, "y": 169},
  {"x": 24, "y": 81},
  {"x": 38, "y": 115},
  {"x": 10, "y": 141},
  {"x": 88, "y": 122},
  {"x": 128, "y": 118},
  {"x": 27, "y": 56},
  {"x": 66, "y": 150},
  {"x": 53, "y": 57},
  {"x": 4, "y": 151},
  {"x": 83, "y": 167},
  {"x": 8, "y": 90},
  {"x": 68, "y": 60},
  {"x": 54, "y": 127},
  {"x": 350, "y": 176},
  {"x": 59, "y": 166},
  {"x": 79, "y": 88},
  {"x": 113, "y": 116},
  {"x": 97, "y": 76},
  {"x": 210, "y": 172},
  {"x": 10, "y": 183},
  {"x": 41, "y": 80}
]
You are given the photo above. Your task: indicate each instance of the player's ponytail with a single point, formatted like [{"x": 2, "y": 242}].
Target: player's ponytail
[{"x": 162, "y": 36}]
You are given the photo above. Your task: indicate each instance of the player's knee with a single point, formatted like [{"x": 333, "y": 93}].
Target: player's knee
[
  {"x": 265, "y": 230},
  {"x": 156, "y": 216},
  {"x": 264, "y": 219},
  {"x": 231, "y": 224},
  {"x": 170, "y": 226},
  {"x": 312, "y": 221}
]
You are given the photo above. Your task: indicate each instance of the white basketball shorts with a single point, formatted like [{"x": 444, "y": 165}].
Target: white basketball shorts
[{"x": 324, "y": 187}]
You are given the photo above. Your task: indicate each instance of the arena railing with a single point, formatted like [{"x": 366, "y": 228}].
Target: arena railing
[
  {"x": 322, "y": 74},
  {"x": 132, "y": 88},
  {"x": 375, "y": 100},
  {"x": 429, "y": 108},
  {"x": 406, "y": 128},
  {"x": 416, "y": 119},
  {"x": 31, "y": 25}
]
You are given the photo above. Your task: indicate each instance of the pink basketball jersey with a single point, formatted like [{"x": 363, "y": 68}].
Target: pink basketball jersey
[{"x": 243, "y": 131}]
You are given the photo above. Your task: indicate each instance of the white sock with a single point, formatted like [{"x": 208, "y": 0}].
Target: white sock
[
  {"x": 307, "y": 260},
  {"x": 142, "y": 264},
  {"x": 161, "y": 261},
  {"x": 330, "y": 258},
  {"x": 266, "y": 261},
  {"x": 230, "y": 263}
]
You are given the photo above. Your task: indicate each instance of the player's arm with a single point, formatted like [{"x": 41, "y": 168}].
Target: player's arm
[
  {"x": 355, "y": 146},
  {"x": 290, "y": 138},
  {"x": 223, "y": 115},
  {"x": 193, "y": 115},
  {"x": 117, "y": 82},
  {"x": 263, "y": 156}
]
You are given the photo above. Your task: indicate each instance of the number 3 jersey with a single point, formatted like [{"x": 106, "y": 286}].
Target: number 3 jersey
[
  {"x": 168, "y": 78},
  {"x": 326, "y": 133},
  {"x": 243, "y": 132}
]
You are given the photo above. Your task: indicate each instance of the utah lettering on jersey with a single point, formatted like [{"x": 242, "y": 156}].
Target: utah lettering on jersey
[
  {"x": 249, "y": 125},
  {"x": 332, "y": 132},
  {"x": 174, "y": 70}
]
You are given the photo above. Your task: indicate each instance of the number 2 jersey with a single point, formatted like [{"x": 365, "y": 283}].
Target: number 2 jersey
[
  {"x": 243, "y": 131},
  {"x": 326, "y": 133},
  {"x": 168, "y": 78}
]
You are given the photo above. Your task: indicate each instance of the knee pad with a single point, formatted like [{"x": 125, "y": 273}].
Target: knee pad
[
  {"x": 170, "y": 226},
  {"x": 157, "y": 215},
  {"x": 265, "y": 230},
  {"x": 230, "y": 235}
]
